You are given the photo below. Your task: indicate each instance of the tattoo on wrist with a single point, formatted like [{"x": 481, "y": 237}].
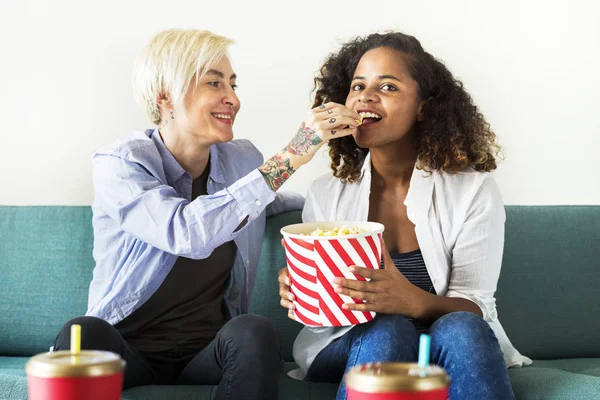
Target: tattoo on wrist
[
  {"x": 276, "y": 171},
  {"x": 303, "y": 141}
]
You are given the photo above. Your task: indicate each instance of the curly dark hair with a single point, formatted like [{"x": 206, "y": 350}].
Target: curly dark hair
[{"x": 453, "y": 135}]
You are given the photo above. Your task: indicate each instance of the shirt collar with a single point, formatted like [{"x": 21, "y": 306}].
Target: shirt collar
[
  {"x": 174, "y": 171},
  {"x": 420, "y": 192},
  {"x": 216, "y": 168}
]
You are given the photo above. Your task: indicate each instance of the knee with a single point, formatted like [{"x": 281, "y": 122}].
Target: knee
[
  {"x": 392, "y": 333},
  {"x": 463, "y": 332},
  {"x": 93, "y": 331},
  {"x": 252, "y": 333}
]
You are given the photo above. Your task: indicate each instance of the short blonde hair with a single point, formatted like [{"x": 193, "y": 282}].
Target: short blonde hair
[{"x": 169, "y": 63}]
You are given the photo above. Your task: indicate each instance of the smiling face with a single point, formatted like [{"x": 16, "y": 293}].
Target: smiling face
[
  {"x": 210, "y": 107},
  {"x": 386, "y": 96}
]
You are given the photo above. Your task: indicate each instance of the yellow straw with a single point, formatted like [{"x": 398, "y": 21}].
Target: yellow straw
[{"x": 75, "y": 339}]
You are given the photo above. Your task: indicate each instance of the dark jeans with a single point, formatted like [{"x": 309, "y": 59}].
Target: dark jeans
[
  {"x": 244, "y": 359},
  {"x": 462, "y": 343}
]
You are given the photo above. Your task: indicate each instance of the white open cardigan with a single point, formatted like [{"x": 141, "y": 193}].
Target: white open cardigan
[{"x": 459, "y": 224}]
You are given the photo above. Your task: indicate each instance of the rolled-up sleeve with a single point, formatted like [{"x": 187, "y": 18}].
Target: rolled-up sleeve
[
  {"x": 154, "y": 213},
  {"x": 477, "y": 254}
]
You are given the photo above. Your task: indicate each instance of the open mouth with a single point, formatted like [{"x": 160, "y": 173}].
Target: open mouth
[
  {"x": 223, "y": 118},
  {"x": 369, "y": 118}
]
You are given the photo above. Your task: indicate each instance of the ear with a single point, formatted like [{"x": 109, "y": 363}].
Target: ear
[
  {"x": 164, "y": 102},
  {"x": 420, "y": 116}
]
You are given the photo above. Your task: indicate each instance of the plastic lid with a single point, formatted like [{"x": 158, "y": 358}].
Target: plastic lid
[
  {"x": 393, "y": 377},
  {"x": 86, "y": 363}
]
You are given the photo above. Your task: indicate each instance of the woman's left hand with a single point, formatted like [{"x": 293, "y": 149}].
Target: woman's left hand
[{"x": 388, "y": 291}]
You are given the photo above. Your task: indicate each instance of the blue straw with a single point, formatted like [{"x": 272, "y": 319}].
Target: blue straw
[{"x": 424, "y": 350}]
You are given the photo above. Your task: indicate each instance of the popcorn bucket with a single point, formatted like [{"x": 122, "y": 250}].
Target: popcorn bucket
[
  {"x": 396, "y": 381},
  {"x": 314, "y": 261}
]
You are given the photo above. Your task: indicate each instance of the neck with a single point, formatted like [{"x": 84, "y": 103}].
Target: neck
[
  {"x": 192, "y": 155},
  {"x": 393, "y": 164}
]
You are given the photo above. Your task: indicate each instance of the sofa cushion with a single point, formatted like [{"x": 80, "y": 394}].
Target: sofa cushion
[
  {"x": 548, "y": 289},
  {"x": 46, "y": 266},
  {"x": 557, "y": 379}
]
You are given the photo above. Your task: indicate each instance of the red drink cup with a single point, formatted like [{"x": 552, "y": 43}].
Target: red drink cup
[
  {"x": 396, "y": 381},
  {"x": 314, "y": 261},
  {"x": 88, "y": 375}
]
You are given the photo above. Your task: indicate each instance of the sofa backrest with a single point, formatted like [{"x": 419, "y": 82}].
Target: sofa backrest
[
  {"x": 547, "y": 295},
  {"x": 45, "y": 269}
]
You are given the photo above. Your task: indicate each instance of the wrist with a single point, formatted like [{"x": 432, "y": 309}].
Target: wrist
[{"x": 421, "y": 304}]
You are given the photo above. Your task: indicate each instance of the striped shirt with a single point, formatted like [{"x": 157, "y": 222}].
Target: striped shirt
[{"x": 412, "y": 266}]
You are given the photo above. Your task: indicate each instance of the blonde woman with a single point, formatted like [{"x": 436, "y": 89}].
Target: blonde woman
[{"x": 179, "y": 215}]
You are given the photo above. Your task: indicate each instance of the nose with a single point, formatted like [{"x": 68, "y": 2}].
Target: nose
[
  {"x": 231, "y": 99},
  {"x": 367, "y": 96}
]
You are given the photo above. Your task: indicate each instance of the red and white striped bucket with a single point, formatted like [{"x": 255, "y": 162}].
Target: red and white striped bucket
[{"x": 313, "y": 262}]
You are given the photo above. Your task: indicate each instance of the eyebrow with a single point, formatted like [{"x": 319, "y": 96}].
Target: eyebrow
[
  {"x": 219, "y": 74},
  {"x": 380, "y": 77}
]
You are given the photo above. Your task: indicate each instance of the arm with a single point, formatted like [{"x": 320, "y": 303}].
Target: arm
[
  {"x": 476, "y": 261},
  {"x": 324, "y": 123},
  {"x": 153, "y": 212}
]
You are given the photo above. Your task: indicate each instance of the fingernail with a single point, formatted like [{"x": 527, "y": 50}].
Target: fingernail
[
  {"x": 291, "y": 297},
  {"x": 337, "y": 281},
  {"x": 338, "y": 289},
  {"x": 345, "y": 306},
  {"x": 352, "y": 269},
  {"x": 291, "y": 306}
]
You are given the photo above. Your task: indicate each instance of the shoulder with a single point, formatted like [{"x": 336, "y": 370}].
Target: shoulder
[
  {"x": 241, "y": 150},
  {"x": 466, "y": 184},
  {"x": 136, "y": 150},
  {"x": 469, "y": 190},
  {"x": 135, "y": 143}
]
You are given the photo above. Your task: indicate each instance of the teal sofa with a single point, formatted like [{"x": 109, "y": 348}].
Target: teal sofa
[{"x": 548, "y": 298}]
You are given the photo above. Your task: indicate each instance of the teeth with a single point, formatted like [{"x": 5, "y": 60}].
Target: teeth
[
  {"x": 222, "y": 116},
  {"x": 369, "y": 115}
]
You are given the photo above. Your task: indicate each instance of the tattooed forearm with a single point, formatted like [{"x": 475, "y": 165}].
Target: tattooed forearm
[
  {"x": 303, "y": 141},
  {"x": 277, "y": 170}
]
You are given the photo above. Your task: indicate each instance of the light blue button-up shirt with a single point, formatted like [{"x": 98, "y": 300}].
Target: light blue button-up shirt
[{"x": 143, "y": 219}]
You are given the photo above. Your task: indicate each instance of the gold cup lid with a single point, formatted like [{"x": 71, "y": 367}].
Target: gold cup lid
[
  {"x": 62, "y": 364},
  {"x": 393, "y": 377}
]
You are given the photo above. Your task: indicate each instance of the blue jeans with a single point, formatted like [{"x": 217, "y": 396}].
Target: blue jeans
[{"x": 462, "y": 343}]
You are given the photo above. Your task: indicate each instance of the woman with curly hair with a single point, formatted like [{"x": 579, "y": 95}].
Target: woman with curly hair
[{"x": 419, "y": 164}]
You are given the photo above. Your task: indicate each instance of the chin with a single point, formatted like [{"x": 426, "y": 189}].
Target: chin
[{"x": 224, "y": 136}]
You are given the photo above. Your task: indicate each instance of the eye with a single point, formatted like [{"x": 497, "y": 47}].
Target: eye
[
  {"x": 358, "y": 86},
  {"x": 388, "y": 87},
  {"x": 215, "y": 83},
  {"x": 234, "y": 86}
]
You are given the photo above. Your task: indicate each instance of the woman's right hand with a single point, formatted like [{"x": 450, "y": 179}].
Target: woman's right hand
[
  {"x": 286, "y": 295},
  {"x": 325, "y": 122}
]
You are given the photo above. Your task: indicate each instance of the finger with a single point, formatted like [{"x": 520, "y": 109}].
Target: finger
[
  {"x": 355, "y": 294},
  {"x": 355, "y": 284},
  {"x": 291, "y": 315},
  {"x": 336, "y": 110},
  {"x": 361, "y": 307},
  {"x": 285, "y": 293},
  {"x": 287, "y": 304},
  {"x": 282, "y": 243},
  {"x": 372, "y": 274},
  {"x": 335, "y": 122},
  {"x": 328, "y": 135},
  {"x": 283, "y": 277}
]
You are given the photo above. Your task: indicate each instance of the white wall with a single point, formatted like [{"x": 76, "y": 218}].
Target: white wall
[{"x": 532, "y": 66}]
